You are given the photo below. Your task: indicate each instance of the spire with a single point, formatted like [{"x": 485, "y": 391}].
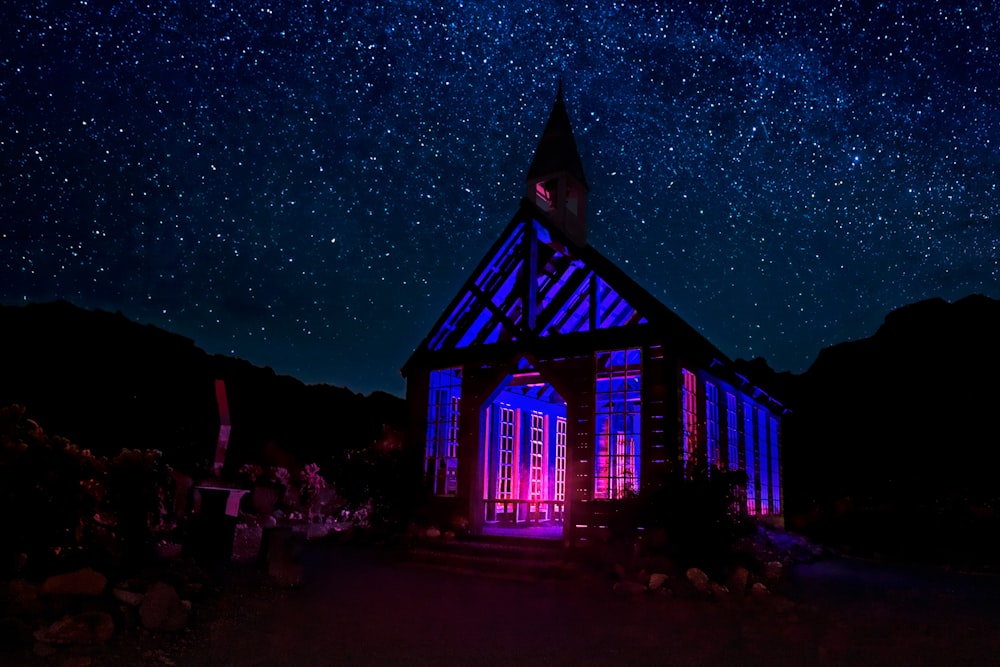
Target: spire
[
  {"x": 555, "y": 178},
  {"x": 556, "y": 149}
]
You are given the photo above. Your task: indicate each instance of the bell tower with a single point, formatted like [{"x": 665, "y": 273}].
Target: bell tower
[{"x": 555, "y": 180}]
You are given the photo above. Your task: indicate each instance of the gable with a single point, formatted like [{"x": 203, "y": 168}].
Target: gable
[{"x": 533, "y": 282}]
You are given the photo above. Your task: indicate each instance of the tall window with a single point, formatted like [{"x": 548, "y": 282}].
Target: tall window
[
  {"x": 749, "y": 456},
  {"x": 505, "y": 456},
  {"x": 443, "y": 401},
  {"x": 560, "y": 459},
  {"x": 689, "y": 409},
  {"x": 712, "y": 424},
  {"x": 762, "y": 445},
  {"x": 775, "y": 475},
  {"x": 732, "y": 433},
  {"x": 618, "y": 421}
]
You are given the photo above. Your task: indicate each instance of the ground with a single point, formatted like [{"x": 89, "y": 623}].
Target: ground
[{"x": 362, "y": 606}]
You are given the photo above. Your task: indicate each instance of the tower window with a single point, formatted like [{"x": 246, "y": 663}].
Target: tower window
[{"x": 545, "y": 194}]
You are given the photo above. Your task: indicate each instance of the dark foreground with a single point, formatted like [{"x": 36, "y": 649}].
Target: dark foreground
[{"x": 364, "y": 607}]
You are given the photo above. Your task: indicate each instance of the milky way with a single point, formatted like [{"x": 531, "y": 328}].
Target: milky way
[{"x": 307, "y": 185}]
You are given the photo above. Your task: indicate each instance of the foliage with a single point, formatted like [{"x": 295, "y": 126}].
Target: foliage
[
  {"x": 698, "y": 516},
  {"x": 310, "y": 483},
  {"x": 256, "y": 474},
  {"x": 138, "y": 498},
  {"x": 67, "y": 504},
  {"x": 384, "y": 480}
]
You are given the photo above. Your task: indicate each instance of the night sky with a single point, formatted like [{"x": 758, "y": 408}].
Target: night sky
[{"x": 306, "y": 185}]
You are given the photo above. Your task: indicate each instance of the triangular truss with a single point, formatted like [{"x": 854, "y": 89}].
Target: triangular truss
[{"x": 531, "y": 284}]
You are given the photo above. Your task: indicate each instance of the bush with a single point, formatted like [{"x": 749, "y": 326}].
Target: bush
[
  {"x": 68, "y": 507},
  {"x": 699, "y": 516}
]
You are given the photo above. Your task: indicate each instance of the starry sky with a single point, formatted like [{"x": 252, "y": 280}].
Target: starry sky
[{"x": 306, "y": 185}]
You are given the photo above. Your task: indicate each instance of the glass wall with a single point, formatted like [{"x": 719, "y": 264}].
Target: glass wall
[
  {"x": 444, "y": 399},
  {"x": 618, "y": 423}
]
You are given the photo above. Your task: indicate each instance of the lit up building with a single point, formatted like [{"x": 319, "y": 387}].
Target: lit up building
[{"x": 553, "y": 386}]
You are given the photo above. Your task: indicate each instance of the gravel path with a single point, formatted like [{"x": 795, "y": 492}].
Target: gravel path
[{"x": 363, "y": 607}]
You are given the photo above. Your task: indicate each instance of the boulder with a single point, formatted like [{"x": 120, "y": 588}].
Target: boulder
[
  {"x": 717, "y": 590},
  {"x": 698, "y": 579},
  {"x": 83, "y": 629},
  {"x": 162, "y": 609},
  {"x": 773, "y": 571},
  {"x": 629, "y": 587},
  {"x": 657, "y": 580},
  {"x": 759, "y": 589},
  {"x": 128, "y": 597},
  {"x": 82, "y": 582},
  {"x": 738, "y": 580}
]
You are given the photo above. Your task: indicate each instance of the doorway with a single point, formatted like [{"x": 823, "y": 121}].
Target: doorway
[{"x": 523, "y": 442}]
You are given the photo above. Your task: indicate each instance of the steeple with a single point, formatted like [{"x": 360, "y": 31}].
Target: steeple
[{"x": 555, "y": 178}]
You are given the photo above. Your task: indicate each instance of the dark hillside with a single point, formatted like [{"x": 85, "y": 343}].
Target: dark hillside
[
  {"x": 107, "y": 383},
  {"x": 902, "y": 422}
]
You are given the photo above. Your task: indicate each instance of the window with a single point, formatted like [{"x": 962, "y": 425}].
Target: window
[
  {"x": 712, "y": 424},
  {"x": 689, "y": 410},
  {"x": 762, "y": 445},
  {"x": 560, "y": 459},
  {"x": 618, "y": 420},
  {"x": 749, "y": 456},
  {"x": 545, "y": 194},
  {"x": 732, "y": 433},
  {"x": 444, "y": 399},
  {"x": 775, "y": 476}
]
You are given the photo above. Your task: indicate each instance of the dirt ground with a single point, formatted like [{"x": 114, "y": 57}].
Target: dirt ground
[{"x": 365, "y": 607}]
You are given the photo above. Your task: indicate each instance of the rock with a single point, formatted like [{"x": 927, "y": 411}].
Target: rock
[
  {"x": 128, "y": 597},
  {"x": 84, "y": 629},
  {"x": 698, "y": 579},
  {"x": 657, "y": 580},
  {"x": 82, "y": 582},
  {"x": 782, "y": 605},
  {"x": 162, "y": 609},
  {"x": 619, "y": 571},
  {"x": 759, "y": 589},
  {"x": 433, "y": 533},
  {"x": 738, "y": 580},
  {"x": 43, "y": 650},
  {"x": 629, "y": 587},
  {"x": 717, "y": 590},
  {"x": 168, "y": 550},
  {"x": 773, "y": 571}
]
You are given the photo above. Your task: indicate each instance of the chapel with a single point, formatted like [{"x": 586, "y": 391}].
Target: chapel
[{"x": 553, "y": 386}]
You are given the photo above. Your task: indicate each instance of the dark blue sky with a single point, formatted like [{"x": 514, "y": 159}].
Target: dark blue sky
[{"x": 307, "y": 185}]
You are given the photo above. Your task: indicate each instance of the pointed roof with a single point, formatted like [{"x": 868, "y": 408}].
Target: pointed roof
[
  {"x": 556, "y": 149},
  {"x": 535, "y": 285}
]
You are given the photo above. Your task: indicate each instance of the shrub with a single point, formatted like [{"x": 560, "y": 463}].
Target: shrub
[
  {"x": 700, "y": 516},
  {"x": 68, "y": 507}
]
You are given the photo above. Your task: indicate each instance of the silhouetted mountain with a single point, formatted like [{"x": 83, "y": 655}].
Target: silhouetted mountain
[
  {"x": 903, "y": 419},
  {"x": 106, "y": 383}
]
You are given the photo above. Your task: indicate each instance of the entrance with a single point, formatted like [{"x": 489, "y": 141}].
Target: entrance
[{"x": 524, "y": 458}]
